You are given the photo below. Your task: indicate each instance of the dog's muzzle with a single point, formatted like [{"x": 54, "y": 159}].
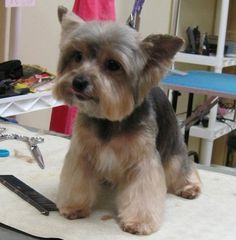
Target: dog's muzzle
[
  {"x": 80, "y": 87},
  {"x": 80, "y": 83}
]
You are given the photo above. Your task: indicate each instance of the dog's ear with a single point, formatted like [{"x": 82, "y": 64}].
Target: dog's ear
[
  {"x": 68, "y": 19},
  {"x": 160, "y": 49}
]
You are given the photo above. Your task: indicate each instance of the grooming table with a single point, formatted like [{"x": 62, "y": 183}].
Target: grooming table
[
  {"x": 211, "y": 216},
  {"x": 210, "y": 84}
]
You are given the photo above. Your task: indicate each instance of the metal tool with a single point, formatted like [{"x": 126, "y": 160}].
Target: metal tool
[
  {"x": 35, "y": 150},
  {"x": 200, "y": 112},
  {"x": 3, "y": 152},
  {"x": 31, "y": 141},
  {"x": 2, "y": 129}
]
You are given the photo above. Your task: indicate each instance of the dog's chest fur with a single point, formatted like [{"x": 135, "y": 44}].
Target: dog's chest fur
[
  {"x": 114, "y": 146},
  {"x": 107, "y": 164}
]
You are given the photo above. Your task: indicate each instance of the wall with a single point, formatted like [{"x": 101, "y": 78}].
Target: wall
[
  {"x": 40, "y": 36},
  {"x": 40, "y": 33},
  {"x": 4, "y": 24},
  {"x": 231, "y": 33},
  {"x": 40, "y": 28},
  {"x": 39, "y": 45},
  {"x": 197, "y": 13},
  {"x": 155, "y": 17}
]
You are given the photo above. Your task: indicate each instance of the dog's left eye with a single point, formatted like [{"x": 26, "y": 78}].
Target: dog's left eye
[
  {"x": 78, "y": 56},
  {"x": 112, "y": 65}
]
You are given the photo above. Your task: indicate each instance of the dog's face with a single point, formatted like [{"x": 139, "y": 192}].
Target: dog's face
[{"x": 106, "y": 69}]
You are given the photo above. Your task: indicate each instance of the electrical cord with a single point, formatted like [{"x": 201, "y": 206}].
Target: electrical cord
[{"x": 223, "y": 120}]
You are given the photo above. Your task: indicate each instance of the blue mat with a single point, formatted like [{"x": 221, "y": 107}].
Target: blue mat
[{"x": 203, "y": 82}]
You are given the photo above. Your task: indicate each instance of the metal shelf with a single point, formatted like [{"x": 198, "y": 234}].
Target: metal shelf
[
  {"x": 229, "y": 61},
  {"x": 212, "y": 61},
  {"x": 195, "y": 59},
  {"x": 27, "y": 103},
  {"x": 220, "y": 129}
]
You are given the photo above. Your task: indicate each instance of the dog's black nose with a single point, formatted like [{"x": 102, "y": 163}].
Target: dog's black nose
[{"x": 80, "y": 83}]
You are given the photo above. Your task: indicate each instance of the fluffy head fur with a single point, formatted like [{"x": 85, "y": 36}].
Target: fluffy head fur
[
  {"x": 126, "y": 131},
  {"x": 117, "y": 67}
]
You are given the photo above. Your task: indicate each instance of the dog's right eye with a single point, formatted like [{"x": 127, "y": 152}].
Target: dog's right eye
[
  {"x": 112, "y": 65},
  {"x": 78, "y": 56}
]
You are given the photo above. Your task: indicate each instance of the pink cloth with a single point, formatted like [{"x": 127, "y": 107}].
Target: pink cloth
[{"x": 95, "y": 9}]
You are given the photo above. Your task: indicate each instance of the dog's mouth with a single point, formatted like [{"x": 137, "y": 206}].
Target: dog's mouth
[{"x": 82, "y": 96}]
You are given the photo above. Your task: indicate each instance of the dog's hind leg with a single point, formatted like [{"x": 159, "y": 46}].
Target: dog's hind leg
[{"x": 182, "y": 177}]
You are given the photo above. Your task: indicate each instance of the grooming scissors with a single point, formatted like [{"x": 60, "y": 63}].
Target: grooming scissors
[
  {"x": 3, "y": 152},
  {"x": 31, "y": 141}
]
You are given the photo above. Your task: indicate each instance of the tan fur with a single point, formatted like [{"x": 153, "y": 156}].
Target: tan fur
[
  {"x": 113, "y": 162},
  {"x": 105, "y": 144},
  {"x": 151, "y": 80},
  {"x": 181, "y": 181},
  {"x": 140, "y": 202}
]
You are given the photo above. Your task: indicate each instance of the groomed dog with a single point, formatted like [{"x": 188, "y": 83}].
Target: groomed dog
[{"x": 126, "y": 131}]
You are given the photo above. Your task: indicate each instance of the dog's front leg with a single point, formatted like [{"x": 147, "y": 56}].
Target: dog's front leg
[
  {"x": 78, "y": 186},
  {"x": 141, "y": 198}
]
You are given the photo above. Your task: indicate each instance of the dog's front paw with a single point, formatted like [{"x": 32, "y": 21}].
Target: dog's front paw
[
  {"x": 74, "y": 213},
  {"x": 140, "y": 228},
  {"x": 190, "y": 191}
]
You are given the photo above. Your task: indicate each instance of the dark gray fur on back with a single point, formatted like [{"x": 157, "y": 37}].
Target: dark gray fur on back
[{"x": 169, "y": 140}]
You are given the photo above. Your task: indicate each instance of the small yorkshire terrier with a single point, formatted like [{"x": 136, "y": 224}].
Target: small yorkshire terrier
[{"x": 126, "y": 132}]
